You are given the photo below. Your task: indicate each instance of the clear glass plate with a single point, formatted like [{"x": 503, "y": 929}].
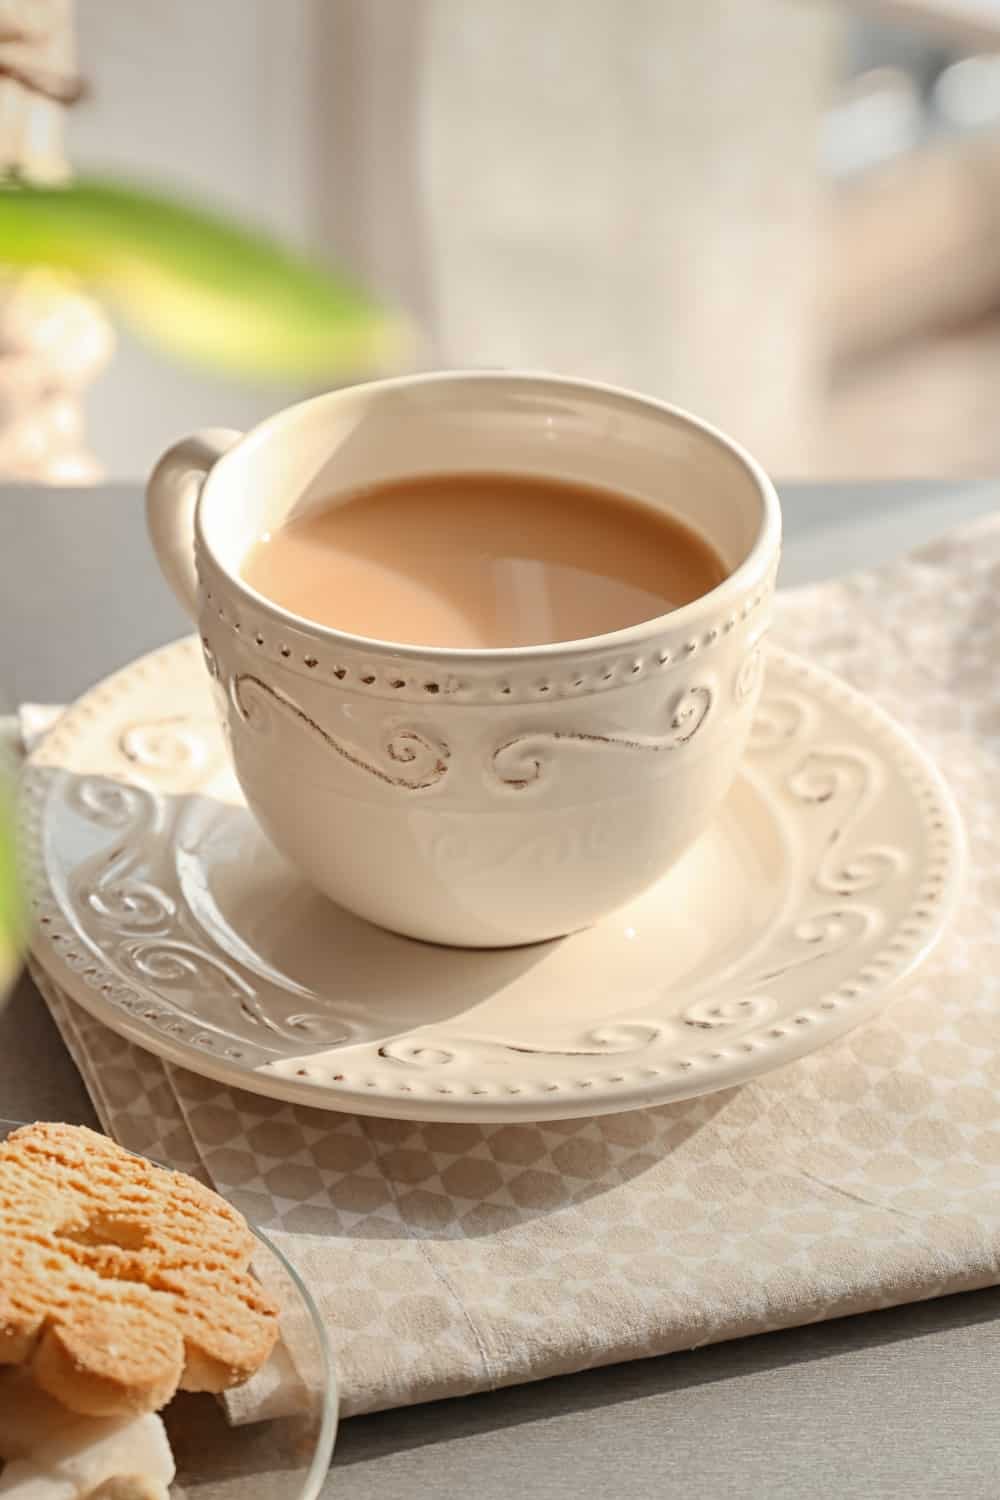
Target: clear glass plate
[{"x": 285, "y": 1457}]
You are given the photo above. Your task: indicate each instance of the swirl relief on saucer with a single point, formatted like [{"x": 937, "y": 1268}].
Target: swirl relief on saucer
[{"x": 162, "y": 909}]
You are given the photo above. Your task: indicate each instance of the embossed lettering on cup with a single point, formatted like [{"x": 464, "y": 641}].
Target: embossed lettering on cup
[{"x": 475, "y": 797}]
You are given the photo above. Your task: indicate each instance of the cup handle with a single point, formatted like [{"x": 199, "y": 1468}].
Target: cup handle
[{"x": 171, "y": 497}]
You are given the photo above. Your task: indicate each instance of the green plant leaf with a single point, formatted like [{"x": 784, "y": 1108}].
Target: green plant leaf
[
  {"x": 11, "y": 905},
  {"x": 199, "y": 286}
]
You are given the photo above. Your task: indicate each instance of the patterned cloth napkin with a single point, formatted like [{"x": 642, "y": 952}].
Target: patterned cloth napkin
[{"x": 454, "y": 1258}]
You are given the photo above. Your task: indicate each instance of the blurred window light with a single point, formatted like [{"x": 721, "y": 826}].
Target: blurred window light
[
  {"x": 881, "y": 116},
  {"x": 967, "y": 95}
]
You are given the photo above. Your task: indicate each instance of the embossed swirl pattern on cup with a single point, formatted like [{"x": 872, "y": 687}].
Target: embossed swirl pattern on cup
[{"x": 416, "y": 759}]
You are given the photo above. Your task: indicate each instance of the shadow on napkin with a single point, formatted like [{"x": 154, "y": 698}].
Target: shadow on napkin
[{"x": 406, "y": 1430}]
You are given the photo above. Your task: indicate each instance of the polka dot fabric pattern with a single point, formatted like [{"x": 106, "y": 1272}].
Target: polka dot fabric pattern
[{"x": 454, "y": 1258}]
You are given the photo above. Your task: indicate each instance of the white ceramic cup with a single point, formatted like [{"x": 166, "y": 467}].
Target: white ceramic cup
[{"x": 474, "y": 797}]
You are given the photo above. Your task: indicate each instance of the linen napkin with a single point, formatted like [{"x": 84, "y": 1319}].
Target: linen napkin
[{"x": 448, "y": 1259}]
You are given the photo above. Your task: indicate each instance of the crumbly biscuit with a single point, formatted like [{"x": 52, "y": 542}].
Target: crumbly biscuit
[{"x": 121, "y": 1282}]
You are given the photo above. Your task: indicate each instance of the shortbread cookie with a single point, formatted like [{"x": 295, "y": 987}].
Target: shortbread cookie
[{"x": 121, "y": 1282}]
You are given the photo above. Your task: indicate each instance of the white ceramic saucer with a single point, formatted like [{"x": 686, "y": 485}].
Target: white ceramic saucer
[{"x": 161, "y": 908}]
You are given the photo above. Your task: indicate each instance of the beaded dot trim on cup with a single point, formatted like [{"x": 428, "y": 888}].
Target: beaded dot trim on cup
[{"x": 396, "y": 677}]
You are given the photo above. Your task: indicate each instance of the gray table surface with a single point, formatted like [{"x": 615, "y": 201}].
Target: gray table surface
[{"x": 900, "y": 1403}]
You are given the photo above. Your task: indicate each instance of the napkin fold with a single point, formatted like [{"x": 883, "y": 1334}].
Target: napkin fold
[{"x": 448, "y": 1259}]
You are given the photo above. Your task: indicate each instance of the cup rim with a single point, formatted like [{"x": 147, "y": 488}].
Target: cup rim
[{"x": 744, "y": 577}]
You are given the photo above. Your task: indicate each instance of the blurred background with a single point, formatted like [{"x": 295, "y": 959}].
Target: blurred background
[{"x": 782, "y": 213}]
